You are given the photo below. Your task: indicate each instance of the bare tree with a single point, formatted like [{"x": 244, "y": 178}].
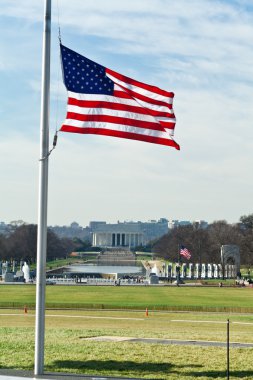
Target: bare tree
[{"x": 247, "y": 221}]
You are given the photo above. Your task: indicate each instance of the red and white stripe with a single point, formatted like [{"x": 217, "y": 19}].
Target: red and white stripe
[
  {"x": 186, "y": 253},
  {"x": 135, "y": 111}
]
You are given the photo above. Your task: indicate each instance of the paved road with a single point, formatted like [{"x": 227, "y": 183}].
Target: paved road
[
  {"x": 28, "y": 375},
  {"x": 171, "y": 341},
  {"x": 194, "y": 343}
]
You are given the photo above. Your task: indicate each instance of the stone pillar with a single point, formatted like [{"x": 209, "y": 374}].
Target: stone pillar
[
  {"x": 197, "y": 270},
  {"x": 94, "y": 239},
  {"x": 203, "y": 271},
  {"x": 190, "y": 271},
  {"x": 215, "y": 270},
  {"x": 183, "y": 270}
]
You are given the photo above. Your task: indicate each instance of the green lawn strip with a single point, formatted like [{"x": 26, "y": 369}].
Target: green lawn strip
[
  {"x": 132, "y": 297},
  {"x": 182, "y": 326},
  {"x": 65, "y": 351}
]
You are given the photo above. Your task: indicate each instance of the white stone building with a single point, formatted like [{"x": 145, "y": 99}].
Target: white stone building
[{"x": 127, "y": 234}]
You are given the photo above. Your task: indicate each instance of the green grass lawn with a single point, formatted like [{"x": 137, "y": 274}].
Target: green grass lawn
[
  {"x": 95, "y": 311},
  {"x": 133, "y": 297},
  {"x": 68, "y": 350}
]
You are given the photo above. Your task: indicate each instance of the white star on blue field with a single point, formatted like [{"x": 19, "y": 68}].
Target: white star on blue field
[{"x": 83, "y": 75}]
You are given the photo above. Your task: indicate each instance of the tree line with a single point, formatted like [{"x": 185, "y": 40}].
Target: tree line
[
  {"x": 205, "y": 244},
  {"x": 21, "y": 244}
]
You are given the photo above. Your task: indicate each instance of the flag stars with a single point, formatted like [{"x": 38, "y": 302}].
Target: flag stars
[{"x": 84, "y": 76}]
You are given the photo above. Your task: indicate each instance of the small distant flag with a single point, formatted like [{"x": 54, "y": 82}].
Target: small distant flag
[
  {"x": 185, "y": 252},
  {"x": 104, "y": 102}
]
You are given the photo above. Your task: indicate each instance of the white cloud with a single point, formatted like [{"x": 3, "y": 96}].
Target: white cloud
[{"x": 201, "y": 51}]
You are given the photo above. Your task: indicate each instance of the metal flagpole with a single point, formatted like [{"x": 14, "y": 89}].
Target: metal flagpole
[
  {"x": 43, "y": 194},
  {"x": 228, "y": 349}
]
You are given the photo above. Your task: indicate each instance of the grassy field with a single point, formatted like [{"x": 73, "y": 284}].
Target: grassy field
[
  {"x": 133, "y": 297},
  {"x": 68, "y": 349}
]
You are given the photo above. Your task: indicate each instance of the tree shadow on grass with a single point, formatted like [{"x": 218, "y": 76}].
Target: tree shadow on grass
[
  {"x": 112, "y": 366},
  {"x": 117, "y": 366}
]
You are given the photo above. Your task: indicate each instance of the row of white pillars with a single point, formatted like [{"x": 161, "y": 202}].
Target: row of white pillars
[{"x": 114, "y": 239}]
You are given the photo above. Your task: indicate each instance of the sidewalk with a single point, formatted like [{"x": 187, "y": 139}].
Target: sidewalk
[{"x": 10, "y": 374}]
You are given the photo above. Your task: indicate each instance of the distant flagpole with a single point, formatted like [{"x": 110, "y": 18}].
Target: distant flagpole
[{"x": 43, "y": 195}]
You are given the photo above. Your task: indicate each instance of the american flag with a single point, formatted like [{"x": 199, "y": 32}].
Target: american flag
[
  {"x": 104, "y": 102},
  {"x": 185, "y": 252}
]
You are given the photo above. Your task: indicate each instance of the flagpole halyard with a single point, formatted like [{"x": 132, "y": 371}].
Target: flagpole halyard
[{"x": 43, "y": 196}]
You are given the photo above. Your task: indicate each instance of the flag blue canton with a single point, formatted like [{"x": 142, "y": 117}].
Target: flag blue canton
[{"x": 83, "y": 75}]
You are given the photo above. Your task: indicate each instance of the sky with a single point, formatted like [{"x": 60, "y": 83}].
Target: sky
[{"x": 200, "y": 49}]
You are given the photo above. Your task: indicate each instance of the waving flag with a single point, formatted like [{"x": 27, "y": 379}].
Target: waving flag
[
  {"x": 104, "y": 102},
  {"x": 185, "y": 252}
]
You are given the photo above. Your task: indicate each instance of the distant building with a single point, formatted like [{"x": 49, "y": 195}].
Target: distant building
[
  {"x": 180, "y": 223},
  {"x": 121, "y": 234},
  {"x": 127, "y": 234}
]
